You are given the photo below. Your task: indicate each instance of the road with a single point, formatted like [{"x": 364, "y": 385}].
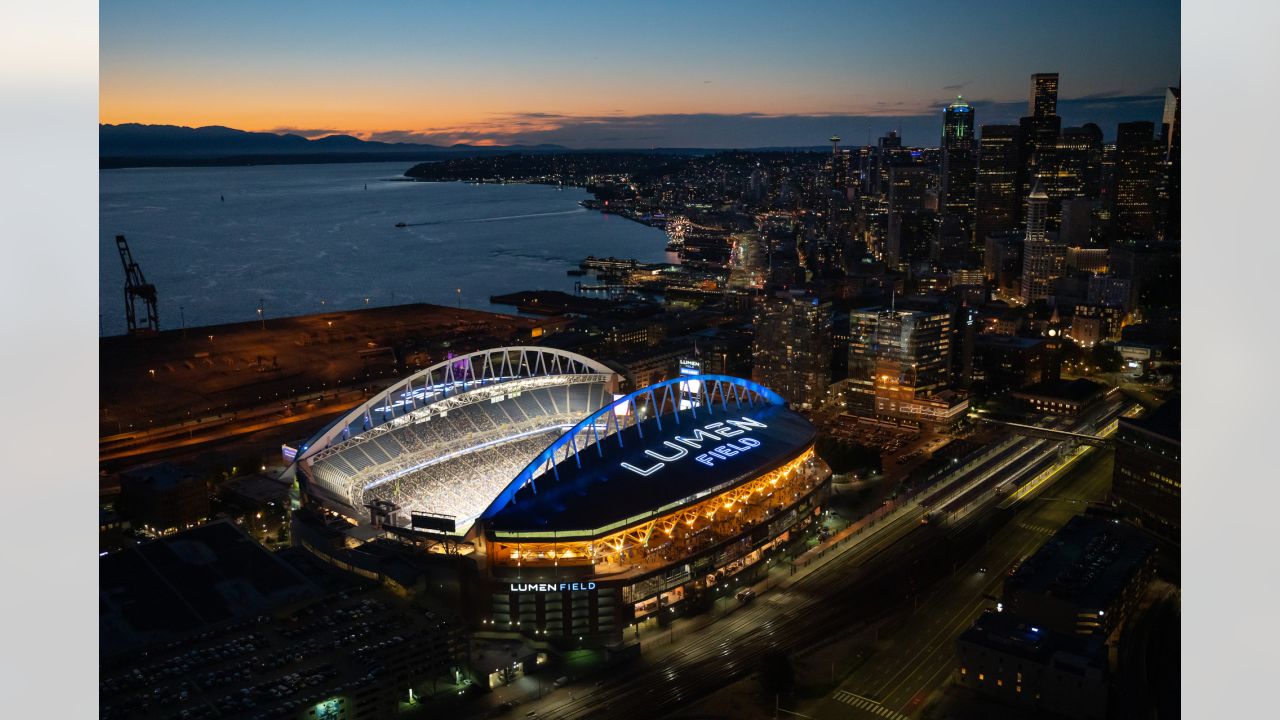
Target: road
[
  {"x": 855, "y": 586},
  {"x": 917, "y": 659},
  {"x": 672, "y": 674},
  {"x": 849, "y": 589}
]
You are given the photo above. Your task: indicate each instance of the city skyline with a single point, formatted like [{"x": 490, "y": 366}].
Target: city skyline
[
  {"x": 690, "y": 408},
  {"x": 764, "y": 77}
]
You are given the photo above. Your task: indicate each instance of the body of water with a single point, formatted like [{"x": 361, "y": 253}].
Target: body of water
[{"x": 309, "y": 238}]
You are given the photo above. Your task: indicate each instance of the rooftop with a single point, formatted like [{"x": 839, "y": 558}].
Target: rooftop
[
  {"x": 1087, "y": 562},
  {"x": 604, "y": 490},
  {"x": 1078, "y": 390},
  {"x": 1007, "y": 633},
  {"x": 168, "y": 587},
  {"x": 1165, "y": 421},
  {"x": 157, "y": 476},
  {"x": 259, "y": 488},
  {"x": 1011, "y": 341}
]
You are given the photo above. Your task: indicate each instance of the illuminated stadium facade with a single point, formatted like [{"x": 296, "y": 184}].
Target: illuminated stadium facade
[{"x": 583, "y": 510}]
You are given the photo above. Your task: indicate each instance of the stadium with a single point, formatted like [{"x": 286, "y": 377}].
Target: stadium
[{"x": 582, "y": 509}]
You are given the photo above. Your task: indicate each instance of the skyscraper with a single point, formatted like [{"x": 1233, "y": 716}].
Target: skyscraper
[
  {"x": 1043, "y": 100},
  {"x": 1078, "y": 164},
  {"x": 999, "y": 191},
  {"x": 911, "y": 227},
  {"x": 792, "y": 347},
  {"x": 957, "y": 126},
  {"x": 959, "y": 164},
  {"x": 1135, "y": 202},
  {"x": 1075, "y": 229},
  {"x": 1040, "y": 132},
  {"x": 910, "y": 239},
  {"x": 1171, "y": 122},
  {"x": 876, "y": 179},
  {"x": 908, "y": 187},
  {"x": 1042, "y": 261},
  {"x": 1172, "y": 134},
  {"x": 1037, "y": 202}
]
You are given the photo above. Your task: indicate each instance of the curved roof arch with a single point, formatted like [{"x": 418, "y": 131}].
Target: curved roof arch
[
  {"x": 409, "y": 398},
  {"x": 627, "y": 411}
]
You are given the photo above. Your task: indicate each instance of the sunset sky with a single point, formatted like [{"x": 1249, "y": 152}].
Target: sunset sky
[{"x": 637, "y": 75}]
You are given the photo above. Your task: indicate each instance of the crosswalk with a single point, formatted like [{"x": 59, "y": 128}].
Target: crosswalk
[
  {"x": 870, "y": 706},
  {"x": 1037, "y": 528}
]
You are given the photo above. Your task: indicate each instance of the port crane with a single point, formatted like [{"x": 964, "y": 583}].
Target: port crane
[{"x": 137, "y": 288}]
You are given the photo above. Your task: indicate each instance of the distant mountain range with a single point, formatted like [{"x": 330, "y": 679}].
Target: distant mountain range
[
  {"x": 136, "y": 145},
  {"x": 133, "y": 144}
]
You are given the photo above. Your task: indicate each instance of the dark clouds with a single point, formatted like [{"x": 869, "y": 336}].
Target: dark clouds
[
  {"x": 310, "y": 133},
  {"x": 747, "y": 130}
]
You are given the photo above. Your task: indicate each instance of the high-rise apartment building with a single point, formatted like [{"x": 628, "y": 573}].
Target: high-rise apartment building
[{"x": 792, "y": 347}]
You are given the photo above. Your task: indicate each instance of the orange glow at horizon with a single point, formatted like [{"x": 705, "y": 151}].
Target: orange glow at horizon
[{"x": 439, "y": 108}]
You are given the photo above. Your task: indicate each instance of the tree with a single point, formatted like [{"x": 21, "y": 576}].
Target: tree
[
  {"x": 1106, "y": 358},
  {"x": 845, "y": 456}
]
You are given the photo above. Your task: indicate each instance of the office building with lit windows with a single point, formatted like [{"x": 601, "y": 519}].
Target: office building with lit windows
[
  {"x": 998, "y": 193},
  {"x": 1015, "y": 662},
  {"x": 1043, "y": 100},
  {"x": 1147, "y": 481},
  {"x": 1135, "y": 211},
  {"x": 900, "y": 366},
  {"x": 1047, "y": 645}
]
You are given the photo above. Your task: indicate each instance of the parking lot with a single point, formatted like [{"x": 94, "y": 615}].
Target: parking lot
[{"x": 338, "y": 645}]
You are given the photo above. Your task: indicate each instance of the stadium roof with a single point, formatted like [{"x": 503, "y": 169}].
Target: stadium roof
[
  {"x": 655, "y": 465},
  {"x": 442, "y": 386},
  {"x": 448, "y": 438}
]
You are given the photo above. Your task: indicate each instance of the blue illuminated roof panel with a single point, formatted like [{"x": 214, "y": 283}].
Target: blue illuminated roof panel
[{"x": 717, "y": 449}]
